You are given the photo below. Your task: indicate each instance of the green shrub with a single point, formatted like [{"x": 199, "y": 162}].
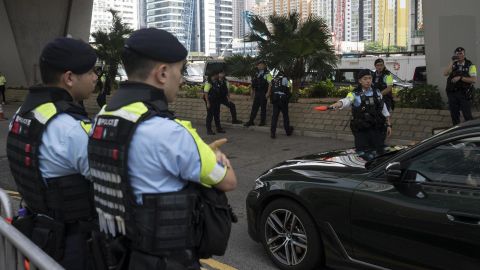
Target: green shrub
[
  {"x": 320, "y": 89},
  {"x": 422, "y": 96},
  {"x": 341, "y": 91},
  {"x": 303, "y": 93},
  {"x": 242, "y": 90},
  {"x": 476, "y": 99},
  {"x": 192, "y": 91}
]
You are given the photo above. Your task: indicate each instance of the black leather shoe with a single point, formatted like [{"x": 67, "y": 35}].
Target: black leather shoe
[
  {"x": 262, "y": 124},
  {"x": 247, "y": 124},
  {"x": 220, "y": 130},
  {"x": 236, "y": 122},
  {"x": 210, "y": 132},
  {"x": 272, "y": 135},
  {"x": 290, "y": 131}
]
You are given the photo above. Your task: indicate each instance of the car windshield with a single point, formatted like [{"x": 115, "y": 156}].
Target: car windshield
[
  {"x": 389, "y": 152},
  {"x": 195, "y": 69}
]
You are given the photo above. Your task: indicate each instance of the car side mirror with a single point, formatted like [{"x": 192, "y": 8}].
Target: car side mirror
[{"x": 393, "y": 171}]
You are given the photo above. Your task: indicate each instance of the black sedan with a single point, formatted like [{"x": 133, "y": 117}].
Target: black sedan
[{"x": 415, "y": 207}]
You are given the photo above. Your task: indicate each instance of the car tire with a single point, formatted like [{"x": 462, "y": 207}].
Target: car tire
[{"x": 290, "y": 247}]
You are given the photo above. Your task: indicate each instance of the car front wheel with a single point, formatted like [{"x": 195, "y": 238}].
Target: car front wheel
[{"x": 290, "y": 236}]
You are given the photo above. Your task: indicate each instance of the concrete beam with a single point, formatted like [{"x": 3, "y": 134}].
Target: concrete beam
[
  {"x": 449, "y": 24},
  {"x": 29, "y": 25}
]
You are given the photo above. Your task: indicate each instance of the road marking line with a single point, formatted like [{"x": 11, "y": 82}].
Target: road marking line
[{"x": 217, "y": 265}]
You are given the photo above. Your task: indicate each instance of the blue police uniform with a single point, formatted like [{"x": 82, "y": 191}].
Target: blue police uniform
[
  {"x": 64, "y": 148},
  {"x": 142, "y": 159},
  {"x": 149, "y": 170},
  {"x": 47, "y": 152}
]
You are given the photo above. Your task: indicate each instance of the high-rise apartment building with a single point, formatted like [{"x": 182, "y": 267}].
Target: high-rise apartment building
[
  {"x": 200, "y": 25},
  {"x": 392, "y": 22},
  {"x": 324, "y": 9},
  {"x": 352, "y": 22},
  {"x": 284, "y": 7},
  {"x": 239, "y": 8},
  {"x": 102, "y": 19}
]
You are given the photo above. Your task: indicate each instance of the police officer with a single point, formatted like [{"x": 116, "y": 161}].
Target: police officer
[
  {"x": 225, "y": 97},
  {"x": 462, "y": 74},
  {"x": 260, "y": 83},
  {"x": 370, "y": 116},
  {"x": 3, "y": 81},
  {"x": 144, "y": 161},
  {"x": 212, "y": 97},
  {"x": 47, "y": 152},
  {"x": 279, "y": 93},
  {"x": 383, "y": 81}
]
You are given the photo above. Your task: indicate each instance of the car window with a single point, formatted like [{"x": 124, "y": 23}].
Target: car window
[
  {"x": 346, "y": 76},
  {"x": 456, "y": 163}
]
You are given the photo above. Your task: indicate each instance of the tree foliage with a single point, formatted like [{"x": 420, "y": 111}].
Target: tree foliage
[
  {"x": 240, "y": 66},
  {"x": 377, "y": 47},
  {"x": 294, "y": 47},
  {"x": 109, "y": 45}
]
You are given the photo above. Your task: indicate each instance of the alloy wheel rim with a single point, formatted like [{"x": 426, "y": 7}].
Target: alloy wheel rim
[{"x": 286, "y": 238}]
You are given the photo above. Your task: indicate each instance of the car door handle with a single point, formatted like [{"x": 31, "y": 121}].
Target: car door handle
[{"x": 464, "y": 218}]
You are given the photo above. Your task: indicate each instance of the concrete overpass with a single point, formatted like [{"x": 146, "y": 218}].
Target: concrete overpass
[{"x": 27, "y": 25}]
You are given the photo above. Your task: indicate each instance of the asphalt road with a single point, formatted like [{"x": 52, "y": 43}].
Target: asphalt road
[{"x": 251, "y": 152}]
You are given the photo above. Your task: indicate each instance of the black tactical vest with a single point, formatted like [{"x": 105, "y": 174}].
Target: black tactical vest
[
  {"x": 380, "y": 84},
  {"x": 215, "y": 92},
  {"x": 280, "y": 93},
  {"x": 223, "y": 88},
  {"x": 67, "y": 198},
  {"x": 260, "y": 83},
  {"x": 165, "y": 223},
  {"x": 459, "y": 70},
  {"x": 368, "y": 114}
]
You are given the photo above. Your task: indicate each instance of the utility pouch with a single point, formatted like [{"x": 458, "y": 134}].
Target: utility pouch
[
  {"x": 24, "y": 224},
  {"x": 216, "y": 222},
  {"x": 49, "y": 235},
  {"x": 111, "y": 254}
]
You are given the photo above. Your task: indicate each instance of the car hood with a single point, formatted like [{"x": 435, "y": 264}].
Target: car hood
[
  {"x": 344, "y": 160},
  {"x": 336, "y": 158}
]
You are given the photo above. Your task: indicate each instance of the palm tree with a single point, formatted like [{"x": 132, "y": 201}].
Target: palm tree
[
  {"x": 109, "y": 46},
  {"x": 240, "y": 66},
  {"x": 296, "y": 48}
]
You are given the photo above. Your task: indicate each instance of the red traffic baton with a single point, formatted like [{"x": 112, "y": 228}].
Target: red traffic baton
[{"x": 322, "y": 108}]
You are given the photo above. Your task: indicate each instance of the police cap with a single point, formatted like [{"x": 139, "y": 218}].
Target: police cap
[
  {"x": 156, "y": 44},
  {"x": 459, "y": 49},
  {"x": 364, "y": 72},
  {"x": 68, "y": 54}
]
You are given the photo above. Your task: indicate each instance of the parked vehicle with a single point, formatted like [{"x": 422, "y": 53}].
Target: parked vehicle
[
  {"x": 193, "y": 73},
  {"x": 420, "y": 75},
  {"x": 415, "y": 207}
]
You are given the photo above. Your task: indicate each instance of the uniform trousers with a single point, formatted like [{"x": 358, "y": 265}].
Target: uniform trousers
[
  {"x": 230, "y": 105},
  {"x": 457, "y": 101},
  {"x": 259, "y": 102},
  {"x": 213, "y": 113},
  {"x": 283, "y": 108},
  {"x": 370, "y": 140}
]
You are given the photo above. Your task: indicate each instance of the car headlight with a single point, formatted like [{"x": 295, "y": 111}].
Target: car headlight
[{"x": 259, "y": 184}]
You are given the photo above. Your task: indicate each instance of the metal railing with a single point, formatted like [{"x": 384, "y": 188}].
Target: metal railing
[{"x": 16, "y": 248}]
